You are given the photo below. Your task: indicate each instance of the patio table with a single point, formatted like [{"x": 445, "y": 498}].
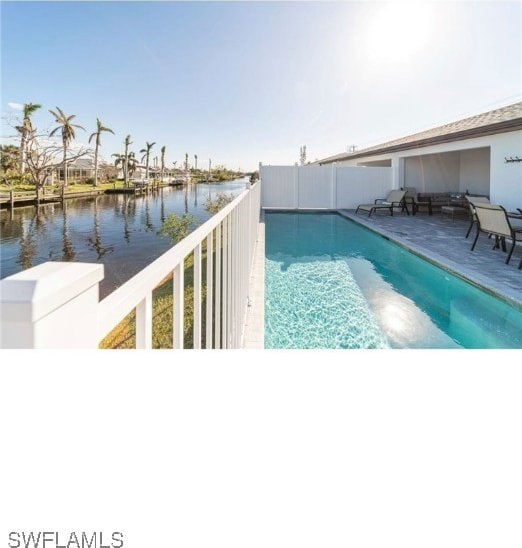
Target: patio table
[{"x": 453, "y": 210}]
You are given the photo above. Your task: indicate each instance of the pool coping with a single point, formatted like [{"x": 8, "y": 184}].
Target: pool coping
[
  {"x": 435, "y": 259},
  {"x": 254, "y": 328}
]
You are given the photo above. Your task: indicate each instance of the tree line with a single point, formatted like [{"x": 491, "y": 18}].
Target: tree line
[{"x": 37, "y": 153}]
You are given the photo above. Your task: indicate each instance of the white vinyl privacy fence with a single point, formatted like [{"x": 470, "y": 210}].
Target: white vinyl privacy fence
[
  {"x": 55, "y": 304},
  {"x": 322, "y": 187}
]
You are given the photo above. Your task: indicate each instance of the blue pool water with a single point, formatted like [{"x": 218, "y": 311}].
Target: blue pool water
[{"x": 333, "y": 284}]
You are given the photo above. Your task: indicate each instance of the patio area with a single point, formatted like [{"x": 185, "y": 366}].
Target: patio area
[{"x": 442, "y": 240}]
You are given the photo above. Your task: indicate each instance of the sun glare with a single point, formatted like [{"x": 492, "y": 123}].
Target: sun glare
[{"x": 398, "y": 30}]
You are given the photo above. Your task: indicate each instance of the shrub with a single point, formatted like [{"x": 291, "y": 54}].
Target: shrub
[
  {"x": 218, "y": 203},
  {"x": 177, "y": 227}
]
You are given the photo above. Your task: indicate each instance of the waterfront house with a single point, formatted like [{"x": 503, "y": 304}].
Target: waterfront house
[{"x": 481, "y": 154}]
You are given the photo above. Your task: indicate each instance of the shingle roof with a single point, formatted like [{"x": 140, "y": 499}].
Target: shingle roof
[{"x": 507, "y": 118}]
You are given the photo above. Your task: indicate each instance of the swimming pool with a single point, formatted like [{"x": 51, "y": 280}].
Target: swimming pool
[{"x": 330, "y": 283}]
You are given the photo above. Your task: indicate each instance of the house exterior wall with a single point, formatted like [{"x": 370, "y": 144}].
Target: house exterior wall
[
  {"x": 505, "y": 179},
  {"x": 475, "y": 171},
  {"x": 433, "y": 172}
]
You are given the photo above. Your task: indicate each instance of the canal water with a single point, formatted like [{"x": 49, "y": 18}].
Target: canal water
[{"x": 118, "y": 230}]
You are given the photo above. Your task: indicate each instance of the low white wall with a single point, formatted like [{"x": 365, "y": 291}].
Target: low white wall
[{"x": 322, "y": 187}]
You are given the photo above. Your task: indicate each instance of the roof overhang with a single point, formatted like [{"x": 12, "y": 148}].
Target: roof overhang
[{"x": 500, "y": 127}]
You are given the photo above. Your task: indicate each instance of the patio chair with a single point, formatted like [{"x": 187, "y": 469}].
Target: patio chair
[
  {"x": 410, "y": 198},
  {"x": 394, "y": 199},
  {"x": 474, "y": 200},
  {"x": 493, "y": 219}
]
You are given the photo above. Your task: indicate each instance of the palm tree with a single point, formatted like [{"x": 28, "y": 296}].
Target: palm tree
[
  {"x": 25, "y": 129},
  {"x": 132, "y": 162},
  {"x": 100, "y": 128},
  {"x": 127, "y": 143},
  {"x": 163, "y": 149},
  {"x": 146, "y": 154},
  {"x": 67, "y": 130}
]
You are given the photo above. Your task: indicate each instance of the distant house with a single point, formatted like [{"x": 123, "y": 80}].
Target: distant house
[
  {"x": 478, "y": 154},
  {"x": 78, "y": 170}
]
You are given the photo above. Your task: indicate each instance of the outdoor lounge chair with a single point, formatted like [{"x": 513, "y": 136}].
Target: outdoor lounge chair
[
  {"x": 493, "y": 219},
  {"x": 394, "y": 199},
  {"x": 475, "y": 200}
]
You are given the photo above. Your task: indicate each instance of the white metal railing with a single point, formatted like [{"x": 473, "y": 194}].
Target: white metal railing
[
  {"x": 30, "y": 317},
  {"x": 229, "y": 237}
]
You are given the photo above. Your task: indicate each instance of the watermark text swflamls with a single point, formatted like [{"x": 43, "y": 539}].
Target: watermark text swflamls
[{"x": 72, "y": 539}]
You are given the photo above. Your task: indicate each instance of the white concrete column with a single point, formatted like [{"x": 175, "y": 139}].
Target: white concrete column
[
  {"x": 397, "y": 172},
  {"x": 52, "y": 305}
]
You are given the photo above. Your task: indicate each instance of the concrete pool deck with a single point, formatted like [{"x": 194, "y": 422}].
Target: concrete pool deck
[
  {"x": 254, "y": 333},
  {"x": 442, "y": 240}
]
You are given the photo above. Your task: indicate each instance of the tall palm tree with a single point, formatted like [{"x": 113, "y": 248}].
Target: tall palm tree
[
  {"x": 127, "y": 143},
  {"x": 132, "y": 162},
  {"x": 68, "y": 134},
  {"x": 24, "y": 130},
  {"x": 163, "y": 149},
  {"x": 100, "y": 128},
  {"x": 146, "y": 154}
]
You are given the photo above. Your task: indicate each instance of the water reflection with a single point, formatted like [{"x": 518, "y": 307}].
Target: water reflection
[
  {"x": 28, "y": 246},
  {"x": 119, "y": 230},
  {"x": 68, "y": 248},
  {"x": 95, "y": 240},
  {"x": 162, "y": 210}
]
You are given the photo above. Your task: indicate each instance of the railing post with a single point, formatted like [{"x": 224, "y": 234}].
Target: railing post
[{"x": 52, "y": 305}]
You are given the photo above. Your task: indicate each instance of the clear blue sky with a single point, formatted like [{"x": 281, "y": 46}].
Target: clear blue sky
[{"x": 243, "y": 82}]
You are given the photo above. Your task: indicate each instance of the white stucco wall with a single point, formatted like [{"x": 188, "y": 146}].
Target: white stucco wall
[
  {"x": 474, "y": 171},
  {"x": 506, "y": 178},
  {"x": 433, "y": 172}
]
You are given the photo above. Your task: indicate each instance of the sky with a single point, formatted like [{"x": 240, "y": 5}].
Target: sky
[{"x": 249, "y": 82}]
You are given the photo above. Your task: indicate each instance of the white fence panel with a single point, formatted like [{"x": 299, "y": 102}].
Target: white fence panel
[
  {"x": 315, "y": 187},
  {"x": 279, "y": 187},
  {"x": 323, "y": 187},
  {"x": 361, "y": 185}
]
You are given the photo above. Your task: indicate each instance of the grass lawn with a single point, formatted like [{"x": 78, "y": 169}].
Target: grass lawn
[
  {"x": 123, "y": 335},
  {"x": 74, "y": 187}
]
